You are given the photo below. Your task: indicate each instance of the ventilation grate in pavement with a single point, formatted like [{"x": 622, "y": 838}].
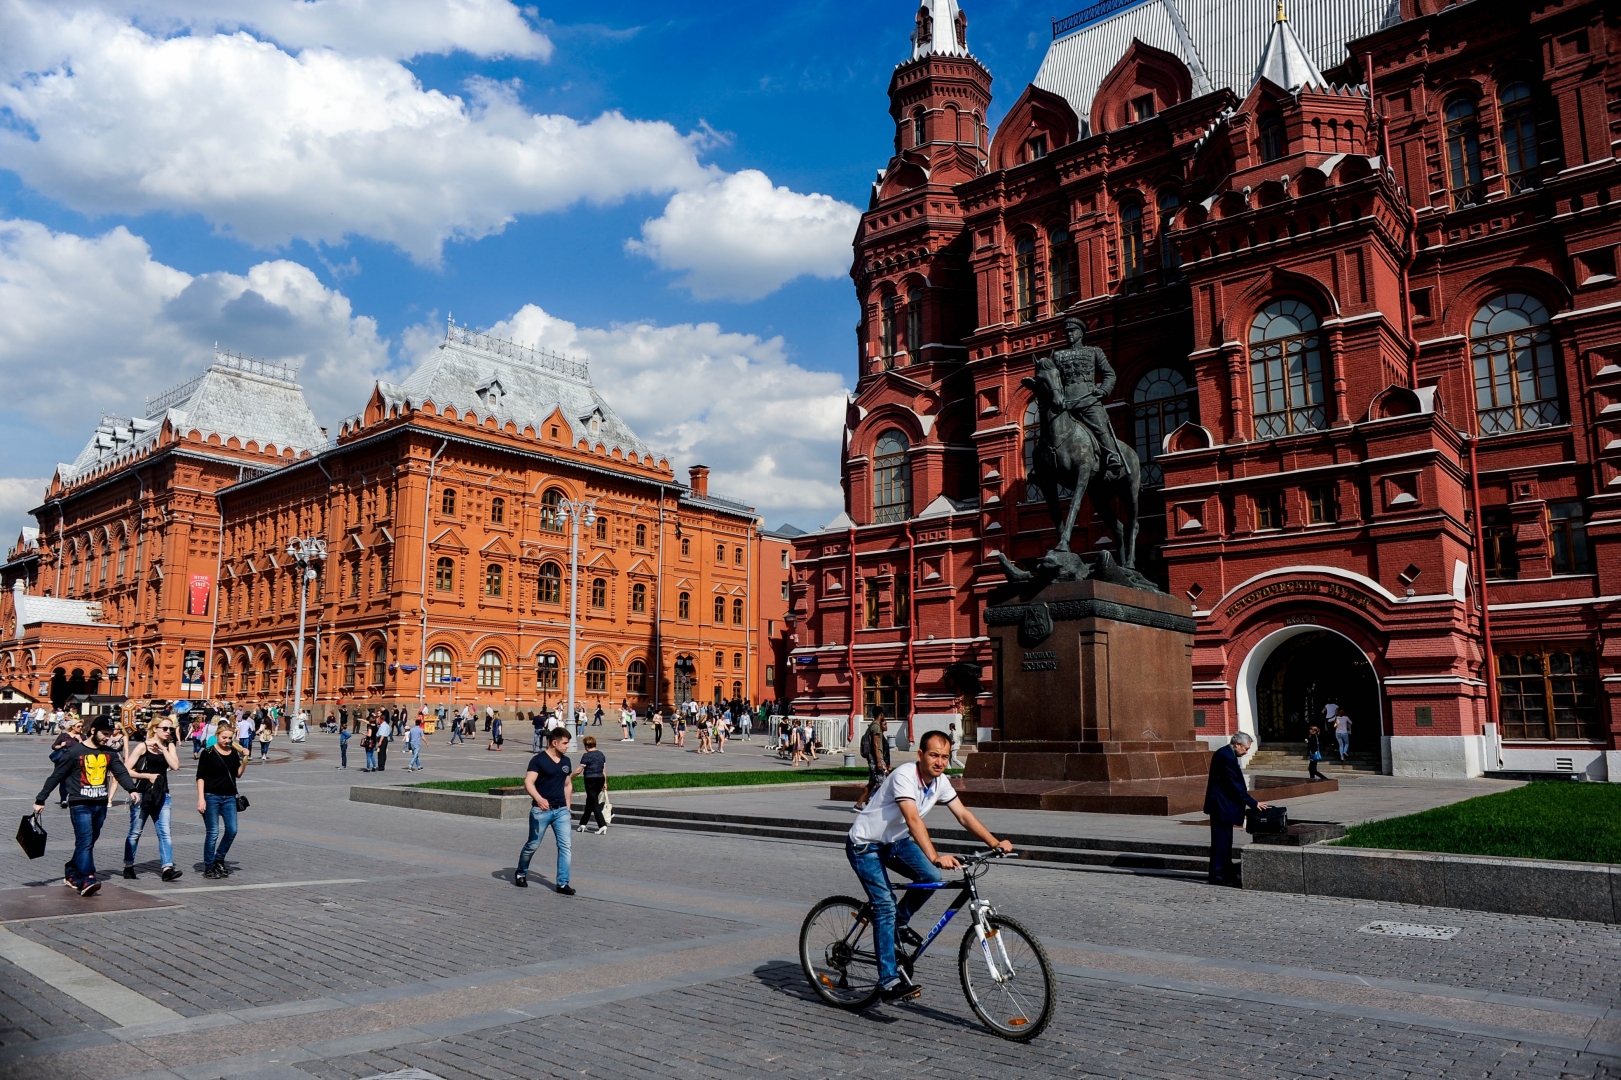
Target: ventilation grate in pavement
[{"x": 1412, "y": 930}]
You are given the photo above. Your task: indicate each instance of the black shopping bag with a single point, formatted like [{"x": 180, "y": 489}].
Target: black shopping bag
[{"x": 31, "y": 835}]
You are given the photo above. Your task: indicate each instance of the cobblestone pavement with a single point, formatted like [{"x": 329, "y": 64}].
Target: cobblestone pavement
[{"x": 357, "y": 940}]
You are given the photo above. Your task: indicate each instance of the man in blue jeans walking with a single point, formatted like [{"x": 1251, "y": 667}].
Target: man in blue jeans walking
[
  {"x": 889, "y": 833},
  {"x": 84, "y": 768},
  {"x": 547, "y": 782}
]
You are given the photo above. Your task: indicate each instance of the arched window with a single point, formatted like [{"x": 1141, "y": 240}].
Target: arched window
[
  {"x": 551, "y": 584},
  {"x": 349, "y": 659},
  {"x": 440, "y": 668},
  {"x": 886, "y": 331},
  {"x": 1170, "y": 201},
  {"x": 914, "y": 321},
  {"x": 720, "y": 663},
  {"x": 379, "y": 666},
  {"x": 602, "y": 527},
  {"x": 1131, "y": 240},
  {"x": 599, "y": 592},
  {"x": 1286, "y": 370},
  {"x": 123, "y": 554},
  {"x": 686, "y": 546},
  {"x": 447, "y": 502},
  {"x": 444, "y": 574},
  {"x": 1271, "y": 137},
  {"x": 720, "y": 610},
  {"x": 492, "y": 580},
  {"x": 720, "y": 554},
  {"x": 104, "y": 562},
  {"x": 737, "y": 611},
  {"x": 489, "y": 671},
  {"x": 683, "y": 606},
  {"x": 546, "y": 671},
  {"x": 1061, "y": 269},
  {"x": 498, "y": 511},
  {"x": 737, "y": 690},
  {"x": 638, "y": 597},
  {"x": 1515, "y": 382},
  {"x": 641, "y": 536},
  {"x": 891, "y": 479},
  {"x": 918, "y": 132},
  {"x": 737, "y": 661},
  {"x": 1463, "y": 153},
  {"x": 1520, "y": 156},
  {"x": 596, "y": 676},
  {"x": 1024, "y": 277},
  {"x": 1161, "y": 403},
  {"x": 548, "y": 511},
  {"x": 636, "y": 679}
]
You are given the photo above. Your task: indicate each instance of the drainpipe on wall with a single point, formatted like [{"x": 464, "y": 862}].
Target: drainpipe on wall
[
  {"x": 213, "y": 598},
  {"x": 658, "y": 612},
  {"x": 427, "y": 514},
  {"x": 911, "y": 636},
  {"x": 850, "y": 639},
  {"x": 1485, "y": 601}
]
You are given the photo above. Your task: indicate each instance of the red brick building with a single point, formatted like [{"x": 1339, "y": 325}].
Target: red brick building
[
  {"x": 163, "y": 548},
  {"x": 1356, "y": 272}
]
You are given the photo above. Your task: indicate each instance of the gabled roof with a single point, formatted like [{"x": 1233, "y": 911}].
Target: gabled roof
[{"x": 33, "y": 610}]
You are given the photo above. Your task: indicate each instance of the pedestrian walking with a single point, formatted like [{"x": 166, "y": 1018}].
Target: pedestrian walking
[
  {"x": 217, "y": 797},
  {"x": 539, "y": 723},
  {"x": 657, "y": 718},
  {"x": 265, "y": 735},
  {"x": 385, "y": 732},
  {"x": 197, "y": 737},
  {"x": 547, "y": 782},
  {"x": 60, "y": 746},
  {"x": 594, "y": 767},
  {"x": 456, "y": 735},
  {"x": 956, "y": 745},
  {"x": 344, "y": 735},
  {"x": 1314, "y": 753},
  {"x": 1226, "y": 797},
  {"x": 83, "y": 768},
  {"x": 413, "y": 742},
  {"x": 489, "y": 717},
  {"x": 495, "y": 733},
  {"x": 1342, "y": 733},
  {"x": 874, "y": 748},
  {"x": 156, "y": 754}
]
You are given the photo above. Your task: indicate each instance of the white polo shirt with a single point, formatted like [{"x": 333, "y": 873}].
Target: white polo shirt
[{"x": 881, "y": 820}]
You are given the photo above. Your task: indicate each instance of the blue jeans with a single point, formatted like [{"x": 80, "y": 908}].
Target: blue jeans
[
  {"x": 220, "y": 809},
  {"x": 558, "y": 821},
  {"x": 371, "y": 759},
  {"x": 343, "y": 753},
  {"x": 456, "y": 733},
  {"x": 905, "y": 858},
  {"x": 1344, "y": 739},
  {"x": 137, "y": 823},
  {"x": 87, "y": 821},
  {"x": 416, "y": 755}
]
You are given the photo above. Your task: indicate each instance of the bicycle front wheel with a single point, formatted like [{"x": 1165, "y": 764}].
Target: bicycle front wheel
[
  {"x": 836, "y": 950},
  {"x": 1008, "y": 979}
]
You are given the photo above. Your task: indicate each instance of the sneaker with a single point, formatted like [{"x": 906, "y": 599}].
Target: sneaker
[
  {"x": 521, "y": 880},
  {"x": 172, "y": 873},
  {"x": 90, "y": 888},
  {"x": 129, "y": 872},
  {"x": 900, "y": 990},
  {"x": 565, "y": 890}
]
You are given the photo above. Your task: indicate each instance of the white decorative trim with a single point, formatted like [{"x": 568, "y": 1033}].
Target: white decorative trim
[
  {"x": 1535, "y": 604},
  {"x": 1431, "y": 680}
]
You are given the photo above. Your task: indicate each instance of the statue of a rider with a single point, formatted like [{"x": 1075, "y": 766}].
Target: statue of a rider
[{"x": 1088, "y": 381}]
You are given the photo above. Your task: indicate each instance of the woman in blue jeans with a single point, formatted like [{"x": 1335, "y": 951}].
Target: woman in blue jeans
[
  {"x": 158, "y": 754},
  {"x": 217, "y": 771}
]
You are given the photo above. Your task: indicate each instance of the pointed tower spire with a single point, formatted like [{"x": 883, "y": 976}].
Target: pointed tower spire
[
  {"x": 942, "y": 29},
  {"x": 1285, "y": 61}
]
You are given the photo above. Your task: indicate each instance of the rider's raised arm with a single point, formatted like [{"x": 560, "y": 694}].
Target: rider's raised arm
[{"x": 966, "y": 818}]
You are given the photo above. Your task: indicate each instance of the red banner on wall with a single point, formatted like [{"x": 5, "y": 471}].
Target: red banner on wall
[{"x": 200, "y": 584}]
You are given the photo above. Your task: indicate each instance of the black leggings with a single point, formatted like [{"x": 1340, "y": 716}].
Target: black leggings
[{"x": 593, "y": 801}]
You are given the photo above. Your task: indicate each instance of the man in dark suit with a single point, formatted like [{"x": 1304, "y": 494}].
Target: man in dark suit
[{"x": 1226, "y": 797}]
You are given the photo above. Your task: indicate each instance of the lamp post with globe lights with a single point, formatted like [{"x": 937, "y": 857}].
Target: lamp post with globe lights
[
  {"x": 304, "y": 551},
  {"x": 578, "y": 512}
]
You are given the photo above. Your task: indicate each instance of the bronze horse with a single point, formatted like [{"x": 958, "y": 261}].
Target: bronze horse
[{"x": 1067, "y": 455}]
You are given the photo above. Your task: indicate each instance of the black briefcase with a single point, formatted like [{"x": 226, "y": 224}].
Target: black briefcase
[
  {"x": 1274, "y": 819},
  {"x": 31, "y": 835}
]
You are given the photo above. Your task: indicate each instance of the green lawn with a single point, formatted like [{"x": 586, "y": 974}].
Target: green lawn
[
  {"x": 646, "y": 781},
  {"x": 1580, "y": 822}
]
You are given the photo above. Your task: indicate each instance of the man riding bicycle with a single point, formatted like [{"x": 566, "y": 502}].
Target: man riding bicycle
[{"x": 889, "y": 833}]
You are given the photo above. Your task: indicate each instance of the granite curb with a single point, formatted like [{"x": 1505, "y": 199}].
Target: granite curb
[{"x": 1588, "y": 892}]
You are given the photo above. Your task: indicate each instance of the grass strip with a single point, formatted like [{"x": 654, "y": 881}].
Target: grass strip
[
  {"x": 1578, "y": 822},
  {"x": 651, "y": 781}
]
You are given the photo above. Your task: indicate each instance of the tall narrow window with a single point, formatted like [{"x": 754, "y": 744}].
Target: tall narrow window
[
  {"x": 492, "y": 580},
  {"x": 902, "y": 598},
  {"x": 1131, "y": 240},
  {"x": 683, "y": 606},
  {"x": 636, "y": 679},
  {"x": 1024, "y": 277},
  {"x": 737, "y": 612},
  {"x": 641, "y": 536},
  {"x": 447, "y": 502},
  {"x": 1516, "y": 385},
  {"x": 918, "y": 133},
  {"x": 1035, "y": 149},
  {"x": 892, "y": 479},
  {"x": 1161, "y": 402},
  {"x": 1567, "y": 537},
  {"x": 1520, "y": 157},
  {"x": 444, "y": 575},
  {"x": 349, "y": 659},
  {"x": 379, "y": 666},
  {"x": 638, "y": 598},
  {"x": 498, "y": 511},
  {"x": 1463, "y": 153},
  {"x": 869, "y": 590},
  {"x": 1500, "y": 556},
  {"x": 596, "y": 676},
  {"x": 720, "y": 611},
  {"x": 1271, "y": 137},
  {"x": 549, "y": 503},
  {"x": 440, "y": 667},
  {"x": 1286, "y": 370},
  {"x": 1170, "y": 201},
  {"x": 602, "y": 527},
  {"x": 1061, "y": 269},
  {"x": 914, "y": 322},
  {"x": 489, "y": 671},
  {"x": 599, "y": 592},
  {"x": 886, "y": 331},
  {"x": 550, "y": 590}
]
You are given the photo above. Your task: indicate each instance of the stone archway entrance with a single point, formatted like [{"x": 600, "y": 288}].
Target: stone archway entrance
[{"x": 1303, "y": 673}]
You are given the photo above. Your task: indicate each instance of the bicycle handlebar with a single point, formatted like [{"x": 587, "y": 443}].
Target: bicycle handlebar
[{"x": 985, "y": 857}]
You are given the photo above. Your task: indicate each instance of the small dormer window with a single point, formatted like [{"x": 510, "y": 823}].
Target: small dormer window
[
  {"x": 596, "y": 423},
  {"x": 554, "y": 431},
  {"x": 1036, "y": 148},
  {"x": 1142, "y": 108}
]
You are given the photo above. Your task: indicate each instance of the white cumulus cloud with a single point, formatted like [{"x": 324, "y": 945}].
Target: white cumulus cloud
[
  {"x": 739, "y": 238},
  {"x": 18, "y": 495},
  {"x": 768, "y": 428}
]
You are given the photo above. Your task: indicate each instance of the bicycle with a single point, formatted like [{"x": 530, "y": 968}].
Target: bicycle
[{"x": 1005, "y": 973}]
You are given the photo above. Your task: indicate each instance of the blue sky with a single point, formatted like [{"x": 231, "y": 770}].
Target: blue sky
[{"x": 169, "y": 182}]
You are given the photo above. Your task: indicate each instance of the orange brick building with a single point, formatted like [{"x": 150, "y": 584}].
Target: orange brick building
[{"x": 447, "y": 577}]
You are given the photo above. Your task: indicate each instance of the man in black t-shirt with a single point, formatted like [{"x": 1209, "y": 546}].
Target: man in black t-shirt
[
  {"x": 548, "y": 783},
  {"x": 86, "y": 769}
]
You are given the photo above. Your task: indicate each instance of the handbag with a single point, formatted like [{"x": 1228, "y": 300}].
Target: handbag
[
  {"x": 31, "y": 835},
  {"x": 607, "y": 808}
]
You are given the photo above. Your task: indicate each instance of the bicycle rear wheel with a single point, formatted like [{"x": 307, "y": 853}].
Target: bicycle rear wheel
[
  {"x": 1008, "y": 980},
  {"x": 836, "y": 951}
]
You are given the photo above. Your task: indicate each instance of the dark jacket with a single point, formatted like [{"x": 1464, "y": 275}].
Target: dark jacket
[
  {"x": 85, "y": 769},
  {"x": 1226, "y": 796}
]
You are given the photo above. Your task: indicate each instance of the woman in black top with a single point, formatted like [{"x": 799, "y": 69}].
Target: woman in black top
[
  {"x": 157, "y": 754},
  {"x": 1314, "y": 753},
  {"x": 217, "y": 771},
  {"x": 594, "y": 765}
]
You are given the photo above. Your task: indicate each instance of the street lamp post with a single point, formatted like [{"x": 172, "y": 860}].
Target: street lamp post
[
  {"x": 303, "y": 550},
  {"x": 579, "y": 512},
  {"x": 546, "y": 674}
]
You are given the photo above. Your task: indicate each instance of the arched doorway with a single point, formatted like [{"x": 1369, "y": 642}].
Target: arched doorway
[
  {"x": 59, "y": 688},
  {"x": 1298, "y": 674}
]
